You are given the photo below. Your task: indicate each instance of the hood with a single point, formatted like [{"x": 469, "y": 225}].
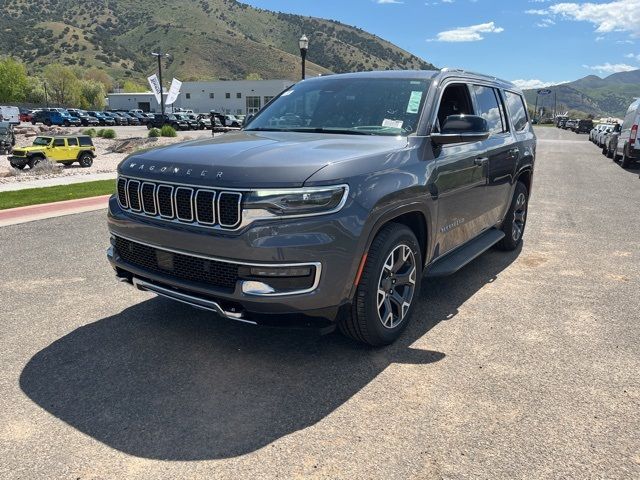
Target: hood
[
  {"x": 32, "y": 149},
  {"x": 254, "y": 159}
]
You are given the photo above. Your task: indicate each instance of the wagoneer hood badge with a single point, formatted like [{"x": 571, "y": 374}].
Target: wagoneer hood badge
[{"x": 253, "y": 159}]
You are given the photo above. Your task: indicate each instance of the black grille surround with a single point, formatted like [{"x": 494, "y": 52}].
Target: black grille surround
[{"x": 186, "y": 204}]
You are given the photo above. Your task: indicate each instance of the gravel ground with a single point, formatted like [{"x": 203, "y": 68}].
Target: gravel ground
[
  {"x": 105, "y": 161},
  {"x": 521, "y": 366}
]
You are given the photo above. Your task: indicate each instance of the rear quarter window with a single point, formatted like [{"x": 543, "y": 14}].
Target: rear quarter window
[
  {"x": 517, "y": 110},
  {"x": 85, "y": 142}
]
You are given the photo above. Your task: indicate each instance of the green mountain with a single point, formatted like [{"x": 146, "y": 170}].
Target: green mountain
[
  {"x": 207, "y": 39},
  {"x": 593, "y": 95}
]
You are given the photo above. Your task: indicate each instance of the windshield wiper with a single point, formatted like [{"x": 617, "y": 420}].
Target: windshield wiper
[{"x": 345, "y": 131}]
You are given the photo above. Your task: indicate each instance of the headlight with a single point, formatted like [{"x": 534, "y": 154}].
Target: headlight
[{"x": 295, "y": 201}]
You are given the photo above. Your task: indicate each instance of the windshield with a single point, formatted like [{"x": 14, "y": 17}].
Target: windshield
[
  {"x": 41, "y": 141},
  {"x": 358, "y": 106}
]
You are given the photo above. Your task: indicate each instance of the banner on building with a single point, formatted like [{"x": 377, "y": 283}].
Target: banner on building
[
  {"x": 155, "y": 86},
  {"x": 174, "y": 91}
]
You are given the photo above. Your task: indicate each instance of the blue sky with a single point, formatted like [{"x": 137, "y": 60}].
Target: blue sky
[{"x": 536, "y": 42}]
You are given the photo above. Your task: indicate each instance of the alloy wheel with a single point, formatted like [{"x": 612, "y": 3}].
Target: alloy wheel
[
  {"x": 519, "y": 216},
  {"x": 396, "y": 286}
]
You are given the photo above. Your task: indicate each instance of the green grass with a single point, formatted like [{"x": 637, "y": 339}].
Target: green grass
[{"x": 35, "y": 196}]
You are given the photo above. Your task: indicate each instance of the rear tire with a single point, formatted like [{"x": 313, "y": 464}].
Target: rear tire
[
  {"x": 515, "y": 220},
  {"x": 624, "y": 161},
  {"x": 388, "y": 288},
  {"x": 85, "y": 160}
]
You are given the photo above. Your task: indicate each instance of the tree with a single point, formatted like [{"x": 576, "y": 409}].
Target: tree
[
  {"x": 62, "y": 84},
  {"x": 129, "y": 86},
  {"x": 13, "y": 81},
  {"x": 92, "y": 94},
  {"x": 253, "y": 76},
  {"x": 101, "y": 76}
]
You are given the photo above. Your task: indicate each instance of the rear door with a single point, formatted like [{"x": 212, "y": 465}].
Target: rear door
[{"x": 500, "y": 151}]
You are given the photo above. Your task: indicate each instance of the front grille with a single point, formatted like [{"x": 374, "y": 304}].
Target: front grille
[
  {"x": 176, "y": 265},
  {"x": 194, "y": 205}
]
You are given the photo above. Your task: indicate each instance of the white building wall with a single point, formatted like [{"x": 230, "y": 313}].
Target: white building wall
[{"x": 205, "y": 96}]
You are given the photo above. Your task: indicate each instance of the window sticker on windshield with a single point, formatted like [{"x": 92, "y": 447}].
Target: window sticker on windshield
[
  {"x": 288, "y": 92},
  {"x": 414, "y": 101},
  {"x": 392, "y": 123}
]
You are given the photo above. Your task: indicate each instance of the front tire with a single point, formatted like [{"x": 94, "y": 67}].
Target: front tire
[
  {"x": 388, "y": 288},
  {"x": 516, "y": 219}
]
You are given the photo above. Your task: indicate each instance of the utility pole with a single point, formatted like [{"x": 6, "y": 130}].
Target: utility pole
[{"x": 159, "y": 55}]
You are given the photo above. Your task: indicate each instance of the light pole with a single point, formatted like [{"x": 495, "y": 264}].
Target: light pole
[
  {"x": 303, "y": 43},
  {"x": 160, "y": 55}
]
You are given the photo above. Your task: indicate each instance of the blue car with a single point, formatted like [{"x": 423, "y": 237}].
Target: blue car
[
  {"x": 55, "y": 117},
  {"x": 104, "y": 119}
]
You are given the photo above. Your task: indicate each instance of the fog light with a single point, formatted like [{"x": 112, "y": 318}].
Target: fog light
[
  {"x": 256, "y": 288},
  {"x": 280, "y": 271}
]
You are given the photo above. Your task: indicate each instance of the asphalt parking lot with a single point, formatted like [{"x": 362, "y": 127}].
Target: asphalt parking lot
[{"x": 522, "y": 365}]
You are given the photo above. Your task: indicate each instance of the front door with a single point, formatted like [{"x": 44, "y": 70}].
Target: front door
[
  {"x": 461, "y": 178},
  {"x": 59, "y": 150}
]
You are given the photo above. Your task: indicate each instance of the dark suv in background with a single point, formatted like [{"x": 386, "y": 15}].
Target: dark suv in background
[{"x": 333, "y": 202}]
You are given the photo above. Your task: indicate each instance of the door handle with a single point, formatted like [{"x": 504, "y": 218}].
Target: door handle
[{"x": 480, "y": 161}]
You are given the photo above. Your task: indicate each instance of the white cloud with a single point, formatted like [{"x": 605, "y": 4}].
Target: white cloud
[
  {"x": 534, "y": 83},
  {"x": 616, "y": 16},
  {"x": 382, "y": 2},
  {"x": 472, "y": 33},
  {"x": 611, "y": 67},
  {"x": 545, "y": 23}
]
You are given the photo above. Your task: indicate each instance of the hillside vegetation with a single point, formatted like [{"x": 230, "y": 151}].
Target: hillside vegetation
[
  {"x": 208, "y": 39},
  {"x": 593, "y": 95}
]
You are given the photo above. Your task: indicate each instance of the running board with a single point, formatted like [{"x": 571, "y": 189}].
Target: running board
[{"x": 454, "y": 261}]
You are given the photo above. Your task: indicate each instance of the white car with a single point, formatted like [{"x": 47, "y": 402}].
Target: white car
[
  {"x": 606, "y": 129},
  {"x": 10, "y": 114},
  {"x": 628, "y": 149}
]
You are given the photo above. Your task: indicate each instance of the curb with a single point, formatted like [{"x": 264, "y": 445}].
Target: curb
[{"x": 14, "y": 216}]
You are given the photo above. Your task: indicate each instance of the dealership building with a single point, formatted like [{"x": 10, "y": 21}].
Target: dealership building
[{"x": 237, "y": 97}]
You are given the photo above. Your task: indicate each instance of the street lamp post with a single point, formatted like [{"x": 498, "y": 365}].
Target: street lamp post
[
  {"x": 160, "y": 55},
  {"x": 304, "y": 46}
]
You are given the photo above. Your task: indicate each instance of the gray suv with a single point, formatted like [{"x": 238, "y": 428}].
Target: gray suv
[{"x": 332, "y": 203}]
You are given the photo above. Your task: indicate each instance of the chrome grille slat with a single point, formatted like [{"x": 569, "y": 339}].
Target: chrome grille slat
[{"x": 204, "y": 206}]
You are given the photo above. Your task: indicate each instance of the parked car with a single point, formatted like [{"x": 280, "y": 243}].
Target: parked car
[
  {"x": 583, "y": 126},
  {"x": 25, "y": 115},
  {"x": 63, "y": 149},
  {"x": 611, "y": 141},
  {"x": 85, "y": 119},
  {"x": 131, "y": 119},
  {"x": 204, "y": 122},
  {"x": 158, "y": 121},
  {"x": 562, "y": 123},
  {"x": 232, "y": 121},
  {"x": 600, "y": 135},
  {"x": 559, "y": 119},
  {"x": 7, "y": 138},
  {"x": 55, "y": 117},
  {"x": 570, "y": 124},
  {"x": 117, "y": 118},
  {"x": 142, "y": 119},
  {"x": 628, "y": 148},
  {"x": 103, "y": 119},
  {"x": 192, "y": 122},
  {"x": 10, "y": 114},
  {"x": 336, "y": 215}
]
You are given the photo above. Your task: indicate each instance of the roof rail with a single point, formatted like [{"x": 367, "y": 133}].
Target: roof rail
[{"x": 462, "y": 70}]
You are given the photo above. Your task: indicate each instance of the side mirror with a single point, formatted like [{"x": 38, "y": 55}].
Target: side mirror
[
  {"x": 247, "y": 119},
  {"x": 461, "y": 129}
]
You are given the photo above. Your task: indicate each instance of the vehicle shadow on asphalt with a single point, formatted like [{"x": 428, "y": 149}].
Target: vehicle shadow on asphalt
[{"x": 162, "y": 380}]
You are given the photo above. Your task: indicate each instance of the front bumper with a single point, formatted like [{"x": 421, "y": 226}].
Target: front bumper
[
  {"x": 18, "y": 161},
  {"x": 332, "y": 243}
]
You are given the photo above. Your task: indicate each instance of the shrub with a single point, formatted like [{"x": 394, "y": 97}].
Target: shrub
[
  {"x": 90, "y": 131},
  {"x": 154, "y": 132},
  {"x": 107, "y": 133},
  {"x": 167, "y": 131}
]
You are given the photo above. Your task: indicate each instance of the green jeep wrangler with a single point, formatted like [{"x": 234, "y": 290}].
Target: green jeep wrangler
[{"x": 63, "y": 149}]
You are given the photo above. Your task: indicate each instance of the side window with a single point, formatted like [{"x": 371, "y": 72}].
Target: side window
[
  {"x": 58, "y": 142},
  {"x": 455, "y": 101},
  {"x": 517, "y": 110},
  {"x": 86, "y": 142},
  {"x": 489, "y": 108},
  {"x": 72, "y": 142}
]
